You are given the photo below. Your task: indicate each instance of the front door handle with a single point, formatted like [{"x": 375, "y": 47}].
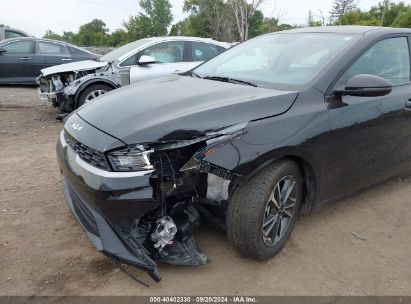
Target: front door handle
[
  {"x": 408, "y": 105},
  {"x": 66, "y": 59},
  {"x": 26, "y": 58}
]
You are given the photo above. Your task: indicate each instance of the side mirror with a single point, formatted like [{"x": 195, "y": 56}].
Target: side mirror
[
  {"x": 366, "y": 85},
  {"x": 144, "y": 60},
  {"x": 2, "y": 51}
]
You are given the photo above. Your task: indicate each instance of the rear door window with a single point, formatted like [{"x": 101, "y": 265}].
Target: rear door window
[
  {"x": 77, "y": 52},
  {"x": 201, "y": 51},
  {"x": 49, "y": 48}
]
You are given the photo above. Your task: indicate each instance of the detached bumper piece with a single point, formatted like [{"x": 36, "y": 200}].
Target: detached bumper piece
[{"x": 107, "y": 238}]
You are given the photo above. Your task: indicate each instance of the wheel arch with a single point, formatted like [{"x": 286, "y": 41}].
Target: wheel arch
[
  {"x": 309, "y": 173},
  {"x": 90, "y": 82}
]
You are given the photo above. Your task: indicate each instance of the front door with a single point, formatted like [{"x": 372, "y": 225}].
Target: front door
[
  {"x": 170, "y": 58},
  {"x": 371, "y": 136},
  {"x": 16, "y": 62}
]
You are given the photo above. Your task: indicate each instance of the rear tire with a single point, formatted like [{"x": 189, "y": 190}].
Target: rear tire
[
  {"x": 91, "y": 92},
  {"x": 253, "y": 210}
]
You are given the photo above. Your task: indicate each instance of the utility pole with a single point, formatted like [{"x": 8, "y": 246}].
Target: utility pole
[{"x": 322, "y": 17}]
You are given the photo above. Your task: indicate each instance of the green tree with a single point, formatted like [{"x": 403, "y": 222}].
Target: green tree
[
  {"x": 403, "y": 20},
  {"x": 312, "y": 21},
  {"x": 256, "y": 24},
  {"x": 159, "y": 13},
  {"x": 68, "y": 37},
  {"x": 188, "y": 27},
  {"x": 118, "y": 38},
  {"x": 94, "y": 33},
  {"x": 138, "y": 27},
  {"x": 386, "y": 13},
  {"x": 51, "y": 35},
  {"x": 273, "y": 25},
  {"x": 210, "y": 18},
  {"x": 153, "y": 21},
  {"x": 359, "y": 17},
  {"x": 341, "y": 7}
]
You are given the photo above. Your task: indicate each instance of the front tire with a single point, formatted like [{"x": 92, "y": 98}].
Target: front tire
[
  {"x": 262, "y": 213},
  {"x": 92, "y": 92}
]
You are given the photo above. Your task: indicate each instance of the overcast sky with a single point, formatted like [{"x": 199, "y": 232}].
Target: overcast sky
[{"x": 35, "y": 17}]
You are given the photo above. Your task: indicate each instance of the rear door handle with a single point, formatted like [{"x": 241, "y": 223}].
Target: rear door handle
[
  {"x": 66, "y": 59},
  {"x": 26, "y": 58}
]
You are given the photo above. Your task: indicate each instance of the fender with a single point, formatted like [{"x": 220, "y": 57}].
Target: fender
[
  {"x": 251, "y": 169},
  {"x": 93, "y": 81},
  {"x": 311, "y": 168}
]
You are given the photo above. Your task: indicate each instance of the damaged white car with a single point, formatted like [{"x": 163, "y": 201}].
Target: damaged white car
[{"x": 68, "y": 86}]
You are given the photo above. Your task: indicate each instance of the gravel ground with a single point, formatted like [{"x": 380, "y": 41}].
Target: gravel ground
[{"x": 359, "y": 246}]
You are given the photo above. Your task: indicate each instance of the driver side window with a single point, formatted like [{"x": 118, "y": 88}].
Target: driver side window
[
  {"x": 166, "y": 52},
  {"x": 388, "y": 59},
  {"x": 19, "y": 47}
]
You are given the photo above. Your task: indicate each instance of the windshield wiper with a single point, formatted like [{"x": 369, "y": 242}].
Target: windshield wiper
[
  {"x": 230, "y": 80},
  {"x": 190, "y": 73}
]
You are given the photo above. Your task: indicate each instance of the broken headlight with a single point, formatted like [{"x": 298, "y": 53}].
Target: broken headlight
[
  {"x": 133, "y": 158},
  {"x": 215, "y": 141}
]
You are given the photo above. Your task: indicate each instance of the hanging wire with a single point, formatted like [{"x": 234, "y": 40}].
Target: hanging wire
[
  {"x": 172, "y": 170},
  {"x": 162, "y": 188}
]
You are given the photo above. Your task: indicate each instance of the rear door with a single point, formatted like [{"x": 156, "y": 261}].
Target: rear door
[
  {"x": 170, "y": 58},
  {"x": 16, "y": 63},
  {"x": 50, "y": 54},
  {"x": 371, "y": 136}
]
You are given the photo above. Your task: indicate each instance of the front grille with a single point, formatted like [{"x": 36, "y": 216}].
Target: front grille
[
  {"x": 89, "y": 155},
  {"x": 83, "y": 213}
]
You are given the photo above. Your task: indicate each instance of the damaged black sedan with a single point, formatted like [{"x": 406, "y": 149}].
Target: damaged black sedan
[{"x": 273, "y": 127}]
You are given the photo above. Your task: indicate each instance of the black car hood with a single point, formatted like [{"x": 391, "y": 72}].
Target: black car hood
[{"x": 180, "y": 107}]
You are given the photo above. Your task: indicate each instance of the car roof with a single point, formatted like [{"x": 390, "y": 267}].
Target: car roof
[
  {"x": 47, "y": 40},
  {"x": 349, "y": 29},
  {"x": 5, "y": 27},
  {"x": 189, "y": 38}
]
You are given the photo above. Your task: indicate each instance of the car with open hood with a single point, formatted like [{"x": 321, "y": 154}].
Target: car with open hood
[
  {"x": 272, "y": 128},
  {"x": 69, "y": 86}
]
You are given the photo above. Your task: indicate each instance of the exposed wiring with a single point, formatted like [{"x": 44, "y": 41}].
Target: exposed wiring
[
  {"x": 172, "y": 170},
  {"x": 162, "y": 188}
]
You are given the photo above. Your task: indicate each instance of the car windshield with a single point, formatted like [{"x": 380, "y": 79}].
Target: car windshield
[
  {"x": 283, "y": 61},
  {"x": 118, "y": 53}
]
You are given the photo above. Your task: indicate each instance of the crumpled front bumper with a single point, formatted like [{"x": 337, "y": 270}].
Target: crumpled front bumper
[
  {"x": 91, "y": 193},
  {"x": 45, "y": 96}
]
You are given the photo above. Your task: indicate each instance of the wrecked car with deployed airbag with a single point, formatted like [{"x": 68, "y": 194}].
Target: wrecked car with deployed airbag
[{"x": 69, "y": 86}]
